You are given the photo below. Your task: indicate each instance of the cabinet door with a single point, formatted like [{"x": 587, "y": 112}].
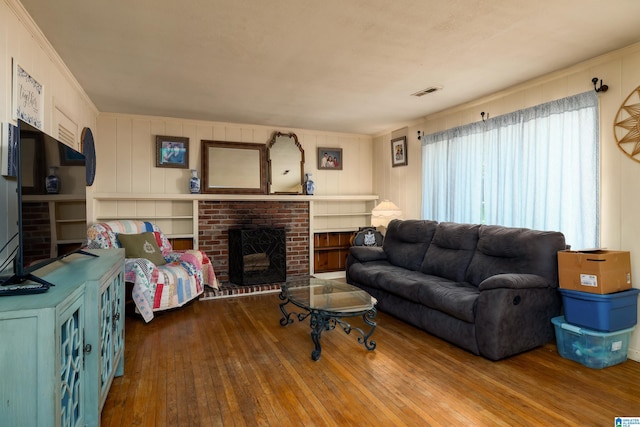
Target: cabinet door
[
  {"x": 112, "y": 330},
  {"x": 71, "y": 330},
  {"x": 117, "y": 289},
  {"x": 100, "y": 301},
  {"x": 106, "y": 337}
]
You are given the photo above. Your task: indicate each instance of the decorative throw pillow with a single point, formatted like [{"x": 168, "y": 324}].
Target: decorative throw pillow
[
  {"x": 142, "y": 245},
  {"x": 367, "y": 236}
]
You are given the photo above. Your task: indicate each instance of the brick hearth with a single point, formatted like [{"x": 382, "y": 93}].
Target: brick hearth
[{"x": 215, "y": 218}]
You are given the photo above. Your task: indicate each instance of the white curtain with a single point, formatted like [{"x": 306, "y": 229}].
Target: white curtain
[{"x": 537, "y": 168}]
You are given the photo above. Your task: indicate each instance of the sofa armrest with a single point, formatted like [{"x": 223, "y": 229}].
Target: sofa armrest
[
  {"x": 513, "y": 281},
  {"x": 367, "y": 253},
  {"x": 513, "y": 314}
]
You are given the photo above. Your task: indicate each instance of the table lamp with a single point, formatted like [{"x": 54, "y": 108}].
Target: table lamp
[{"x": 383, "y": 213}]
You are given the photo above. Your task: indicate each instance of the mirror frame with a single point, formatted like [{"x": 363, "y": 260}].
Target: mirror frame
[
  {"x": 211, "y": 188},
  {"x": 272, "y": 141}
]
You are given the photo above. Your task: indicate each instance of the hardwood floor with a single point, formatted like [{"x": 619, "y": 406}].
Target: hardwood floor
[{"x": 229, "y": 362}]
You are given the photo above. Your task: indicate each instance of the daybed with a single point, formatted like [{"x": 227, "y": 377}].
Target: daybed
[
  {"x": 171, "y": 280},
  {"x": 491, "y": 290}
]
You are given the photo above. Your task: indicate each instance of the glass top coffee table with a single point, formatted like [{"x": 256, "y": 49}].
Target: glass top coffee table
[{"x": 326, "y": 303}]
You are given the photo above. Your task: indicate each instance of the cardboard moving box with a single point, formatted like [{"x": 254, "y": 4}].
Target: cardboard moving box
[{"x": 597, "y": 272}]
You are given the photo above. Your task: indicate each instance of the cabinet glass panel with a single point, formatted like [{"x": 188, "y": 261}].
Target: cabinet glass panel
[
  {"x": 71, "y": 369},
  {"x": 117, "y": 288},
  {"x": 106, "y": 341}
]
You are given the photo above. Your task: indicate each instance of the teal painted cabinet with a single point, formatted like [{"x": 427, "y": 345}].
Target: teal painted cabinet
[
  {"x": 60, "y": 350},
  {"x": 104, "y": 332}
]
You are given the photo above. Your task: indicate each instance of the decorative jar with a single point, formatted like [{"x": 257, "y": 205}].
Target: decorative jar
[
  {"x": 52, "y": 182},
  {"x": 194, "y": 182},
  {"x": 309, "y": 185}
]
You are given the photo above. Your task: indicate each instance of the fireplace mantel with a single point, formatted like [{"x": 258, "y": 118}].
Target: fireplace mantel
[{"x": 235, "y": 197}]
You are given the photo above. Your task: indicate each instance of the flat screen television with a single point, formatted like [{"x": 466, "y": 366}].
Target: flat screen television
[{"x": 26, "y": 234}]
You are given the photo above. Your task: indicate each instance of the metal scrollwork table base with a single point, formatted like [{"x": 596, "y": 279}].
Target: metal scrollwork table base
[{"x": 326, "y": 303}]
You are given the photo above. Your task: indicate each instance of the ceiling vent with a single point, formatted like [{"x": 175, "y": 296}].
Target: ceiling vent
[{"x": 427, "y": 91}]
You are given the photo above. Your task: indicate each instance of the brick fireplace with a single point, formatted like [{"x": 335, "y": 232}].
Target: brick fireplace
[
  {"x": 215, "y": 218},
  {"x": 257, "y": 255}
]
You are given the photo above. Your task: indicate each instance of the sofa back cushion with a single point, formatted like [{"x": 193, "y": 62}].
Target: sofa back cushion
[
  {"x": 515, "y": 250},
  {"x": 406, "y": 242},
  {"x": 451, "y": 250}
]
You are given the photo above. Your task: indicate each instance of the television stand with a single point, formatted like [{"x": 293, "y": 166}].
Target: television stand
[{"x": 45, "y": 344}]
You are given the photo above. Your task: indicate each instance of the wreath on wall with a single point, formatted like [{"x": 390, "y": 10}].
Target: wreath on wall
[{"x": 627, "y": 125}]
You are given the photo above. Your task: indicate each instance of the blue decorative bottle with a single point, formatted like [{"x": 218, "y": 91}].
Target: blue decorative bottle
[
  {"x": 194, "y": 182},
  {"x": 309, "y": 185},
  {"x": 52, "y": 182}
]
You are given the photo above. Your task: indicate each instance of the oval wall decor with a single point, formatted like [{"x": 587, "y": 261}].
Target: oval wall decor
[
  {"x": 626, "y": 127},
  {"x": 89, "y": 151}
]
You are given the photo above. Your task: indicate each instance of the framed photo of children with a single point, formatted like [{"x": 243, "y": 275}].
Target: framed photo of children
[
  {"x": 399, "y": 151},
  {"x": 330, "y": 158},
  {"x": 172, "y": 152}
]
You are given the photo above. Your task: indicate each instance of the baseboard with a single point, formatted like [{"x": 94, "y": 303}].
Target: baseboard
[{"x": 633, "y": 355}]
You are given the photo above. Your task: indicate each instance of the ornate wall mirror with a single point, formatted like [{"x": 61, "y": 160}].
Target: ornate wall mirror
[
  {"x": 233, "y": 167},
  {"x": 286, "y": 164}
]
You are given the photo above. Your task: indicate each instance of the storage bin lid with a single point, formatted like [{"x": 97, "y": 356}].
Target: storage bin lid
[
  {"x": 561, "y": 323},
  {"x": 598, "y": 297}
]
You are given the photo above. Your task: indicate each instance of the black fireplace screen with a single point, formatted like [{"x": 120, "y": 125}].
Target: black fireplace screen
[{"x": 257, "y": 256}]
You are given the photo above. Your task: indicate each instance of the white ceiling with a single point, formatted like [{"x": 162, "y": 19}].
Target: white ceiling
[{"x": 335, "y": 65}]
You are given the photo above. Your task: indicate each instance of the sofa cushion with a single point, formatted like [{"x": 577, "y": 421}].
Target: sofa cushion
[
  {"x": 515, "y": 250},
  {"x": 406, "y": 242},
  {"x": 451, "y": 250},
  {"x": 390, "y": 278},
  {"x": 366, "y": 272},
  {"x": 457, "y": 299},
  {"x": 454, "y": 298},
  {"x": 399, "y": 281}
]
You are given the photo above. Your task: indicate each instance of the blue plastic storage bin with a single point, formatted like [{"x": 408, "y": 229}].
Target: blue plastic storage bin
[
  {"x": 608, "y": 312},
  {"x": 593, "y": 349}
]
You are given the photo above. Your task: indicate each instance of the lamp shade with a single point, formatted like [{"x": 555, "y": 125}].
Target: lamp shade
[{"x": 384, "y": 212}]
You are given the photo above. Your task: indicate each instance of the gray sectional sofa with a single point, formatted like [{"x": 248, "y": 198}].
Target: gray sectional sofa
[{"x": 491, "y": 290}]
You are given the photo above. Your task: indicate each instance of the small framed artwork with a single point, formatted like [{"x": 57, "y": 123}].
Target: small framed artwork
[
  {"x": 330, "y": 158},
  {"x": 399, "y": 151},
  {"x": 172, "y": 152},
  {"x": 28, "y": 97}
]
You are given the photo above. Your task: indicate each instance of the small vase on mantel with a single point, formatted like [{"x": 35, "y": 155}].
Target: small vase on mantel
[
  {"x": 52, "y": 182},
  {"x": 309, "y": 185},
  {"x": 194, "y": 182}
]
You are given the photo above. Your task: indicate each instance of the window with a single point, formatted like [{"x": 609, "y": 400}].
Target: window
[{"x": 537, "y": 168}]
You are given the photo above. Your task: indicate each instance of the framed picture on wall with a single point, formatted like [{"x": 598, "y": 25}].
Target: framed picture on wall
[
  {"x": 172, "y": 152},
  {"x": 28, "y": 97},
  {"x": 330, "y": 158},
  {"x": 399, "y": 151}
]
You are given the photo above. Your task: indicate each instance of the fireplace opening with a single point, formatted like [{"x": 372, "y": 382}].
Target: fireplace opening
[{"x": 257, "y": 256}]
